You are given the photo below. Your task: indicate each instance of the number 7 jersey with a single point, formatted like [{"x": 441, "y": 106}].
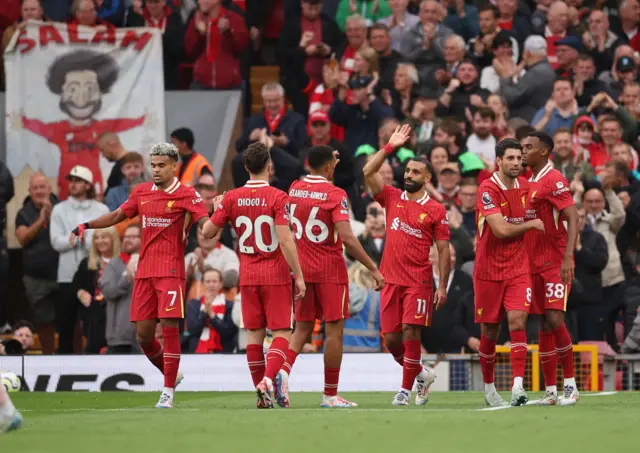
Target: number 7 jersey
[
  {"x": 254, "y": 210},
  {"x": 316, "y": 206}
]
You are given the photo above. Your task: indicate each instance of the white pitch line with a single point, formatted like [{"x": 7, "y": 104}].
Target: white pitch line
[
  {"x": 186, "y": 409},
  {"x": 600, "y": 394},
  {"x": 499, "y": 408}
]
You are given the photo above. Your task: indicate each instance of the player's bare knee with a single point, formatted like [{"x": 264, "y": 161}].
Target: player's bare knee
[
  {"x": 517, "y": 320},
  {"x": 393, "y": 340},
  {"x": 490, "y": 331},
  {"x": 554, "y": 319},
  {"x": 545, "y": 325},
  {"x": 411, "y": 332},
  {"x": 334, "y": 330},
  {"x": 256, "y": 336},
  {"x": 284, "y": 333},
  {"x": 145, "y": 332}
]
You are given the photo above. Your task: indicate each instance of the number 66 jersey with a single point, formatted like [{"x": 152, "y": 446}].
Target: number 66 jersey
[{"x": 254, "y": 210}]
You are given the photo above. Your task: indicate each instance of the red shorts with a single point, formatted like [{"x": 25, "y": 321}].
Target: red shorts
[
  {"x": 405, "y": 305},
  {"x": 494, "y": 298},
  {"x": 267, "y": 306},
  {"x": 157, "y": 298},
  {"x": 549, "y": 293},
  {"x": 328, "y": 301}
]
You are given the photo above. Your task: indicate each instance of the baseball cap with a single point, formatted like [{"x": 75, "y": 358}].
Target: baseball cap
[
  {"x": 82, "y": 173},
  {"x": 319, "y": 115},
  {"x": 360, "y": 82},
  {"x": 571, "y": 41},
  {"x": 450, "y": 166},
  {"x": 625, "y": 64},
  {"x": 535, "y": 43}
]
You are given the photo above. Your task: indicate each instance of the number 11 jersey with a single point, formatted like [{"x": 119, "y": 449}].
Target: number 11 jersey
[
  {"x": 254, "y": 210},
  {"x": 316, "y": 206}
]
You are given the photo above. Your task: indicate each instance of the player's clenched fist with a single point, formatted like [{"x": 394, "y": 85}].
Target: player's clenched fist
[
  {"x": 301, "y": 289},
  {"x": 77, "y": 234},
  {"x": 378, "y": 279},
  {"x": 537, "y": 225}
]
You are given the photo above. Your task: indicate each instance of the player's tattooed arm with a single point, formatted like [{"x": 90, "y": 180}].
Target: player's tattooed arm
[{"x": 104, "y": 221}]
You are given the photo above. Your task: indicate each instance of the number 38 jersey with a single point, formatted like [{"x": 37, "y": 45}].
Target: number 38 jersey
[
  {"x": 316, "y": 206},
  {"x": 254, "y": 210}
]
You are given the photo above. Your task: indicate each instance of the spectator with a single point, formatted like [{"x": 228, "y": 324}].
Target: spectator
[
  {"x": 445, "y": 334},
  {"x": 462, "y": 18},
  {"x": 265, "y": 20},
  {"x": 618, "y": 172},
  {"x": 564, "y": 161},
  {"x": 111, "y": 148},
  {"x": 192, "y": 164},
  {"x": 423, "y": 114},
  {"x": 286, "y": 128},
  {"x": 503, "y": 64},
  {"x": 499, "y": 106},
  {"x": 402, "y": 96},
  {"x": 426, "y": 42},
  {"x": 112, "y": 11},
  {"x": 608, "y": 224},
  {"x": 362, "y": 328},
  {"x": 356, "y": 39},
  {"x": 448, "y": 180},
  {"x": 373, "y": 237},
  {"x": 559, "y": 111},
  {"x": 388, "y": 58},
  {"x": 630, "y": 98},
  {"x": 39, "y": 259},
  {"x": 601, "y": 43},
  {"x": 84, "y": 12},
  {"x": 116, "y": 285},
  {"x": 215, "y": 39},
  {"x": 441, "y": 74},
  {"x": 585, "y": 85},
  {"x": 481, "y": 48},
  {"x": 615, "y": 81},
  {"x": 24, "y": 332},
  {"x": 482, "y": 142},
  {"x": 400, "y": 25},
  {"x": 157, "y": 14},
  {"x": 462, "y": 93},
  {"x": 555, "y": 29},
  {"x": 6, "y": 194},
  {"x": 80, "y": 207},
  {"x": 629, "y": 13},
  {"x": 370, "y": 11},
  {"x": 314, "y": 38},
  {"x": 525, "y": 95},
  {"x": 362, "y": 117},
  {"x": 591, "y": 256},
  {"x": 105, "y": 245},
  {"x": 467, "y": 195},
  {"x": 513, "y": 20},
  {"x": 460, "y": 239},
  {"x": 132, "y": 167}
]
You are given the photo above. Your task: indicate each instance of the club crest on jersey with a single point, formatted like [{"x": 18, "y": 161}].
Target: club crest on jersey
[
  {"x": 559, "y": 184},
  {"x": 170, "y": 205},
  {"x": 479, "y": 311},
  {"x": 344, "y": 204},
  {"x": 422, "y": 217}
]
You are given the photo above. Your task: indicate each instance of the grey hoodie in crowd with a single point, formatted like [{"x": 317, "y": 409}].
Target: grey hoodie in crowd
[
  {"x": 117, "y": 289},
  {"x": 65, "y": 216}
]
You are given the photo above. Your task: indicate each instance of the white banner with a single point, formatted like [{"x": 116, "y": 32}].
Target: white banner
[
  {"x": 219, "y": 373},
  {"x": 67, "y": 85}
]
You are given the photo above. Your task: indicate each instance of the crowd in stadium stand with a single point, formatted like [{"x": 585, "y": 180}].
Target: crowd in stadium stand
[{"x": 463, "y": 74}]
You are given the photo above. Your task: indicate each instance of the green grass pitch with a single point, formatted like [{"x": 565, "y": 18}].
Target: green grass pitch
[{"x": 228, "y": 423}]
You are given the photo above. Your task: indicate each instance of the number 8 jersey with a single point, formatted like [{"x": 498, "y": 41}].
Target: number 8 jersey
[
  {"x": 254, "y": 210},
  {"x": 316, "y": 206}
]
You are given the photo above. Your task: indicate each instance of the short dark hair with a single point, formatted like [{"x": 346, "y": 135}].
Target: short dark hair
[
  {"x": 523, "y": 131},
  {"x": 469, "y": 181},
  {"x": 585, "y": 57},
  {"x": 610, "y": 119},
  {"x": 619, "y": 168},
  {"x": 256, "y": 157},
  {"x": 486, "y": 112},
  {"x": 185, "y": 135},
  {"x": 319, "y": 156},
  {"x": 423, "y": 160},
  {"x": 103, "y": 64},
  {"x": 24, "y": 323},
  {"x": 379, "y": 26},
  {"x": 562, "y": 130},
  {"x": 130, "y": 157},
  {"x": 544, "y": 138},
  {"x": 507, "y": 143},
  {"x": 563, "y": 79},
  {"x": 490, "y": 7},
  {"x": 449, "y": 126}
]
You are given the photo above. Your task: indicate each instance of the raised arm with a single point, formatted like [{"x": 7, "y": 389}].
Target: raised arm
[
  {"x": 504, "y": 230},
  {"x": 288, "y": 247},
  {"x": 370, "y": 170},
  {"x": 354, "y": 248},
  {"x": 104, "y": 221}
]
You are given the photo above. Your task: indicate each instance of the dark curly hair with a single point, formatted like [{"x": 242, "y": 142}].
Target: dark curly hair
[{"x": 104, "y": 65}]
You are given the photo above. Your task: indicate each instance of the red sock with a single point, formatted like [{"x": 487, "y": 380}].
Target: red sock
[
  {"x": 487, "y": 353},
  {"x": 276, "y": 356},
  {"x": 171, "y": 336},
  {"x": 289, "y": 361},
  {"x": 255, "y": 358},
  {"x": 154, "y": 352},
  {"x": 331, "y": 376},
  {"x": 398, "y": 354},
  {"x": 564, "y": 349},
  {"x": 518, "y": 352},
  {"x": 412, "y": 365},
  {"x": 548, "y": 358}
]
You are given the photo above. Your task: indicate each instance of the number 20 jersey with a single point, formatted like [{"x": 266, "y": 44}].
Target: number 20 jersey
[
  {"x": 316, "y": 206},
  {"x": 254, "y": 210}
]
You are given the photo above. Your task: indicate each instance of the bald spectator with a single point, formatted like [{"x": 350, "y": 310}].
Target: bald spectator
[
  {"x": 427, "y": 37},
  {"x": 556, "y": 29},
  {"x": 600, "y": 42},
  {"x": 400, "y": 25},
  {"x": 513, "y": 19},
  {"x": 111, "y": 148},
  {"x": 39, "y": 259},
  {"x": 525, "y": 95}
]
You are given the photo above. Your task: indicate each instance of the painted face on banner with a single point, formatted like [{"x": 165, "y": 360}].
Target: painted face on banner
[{"x": 81, "y": 97}]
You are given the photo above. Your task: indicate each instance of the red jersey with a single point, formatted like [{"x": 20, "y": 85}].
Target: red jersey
[
  {"x": 316, "y": 206},
  {"x": 165, "y": 217},
  {"x": 500, "y": 259},
  {"x": 549, "y": 194},
  {"x": 78, "y": 144},
  {"x": 412, "y": 227},
  {"x": 254, "y": 210}
]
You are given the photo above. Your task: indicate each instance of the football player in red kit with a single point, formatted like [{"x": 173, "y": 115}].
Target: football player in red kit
[
  {"x": 260, "y": 215},
  {"x": 501, "y": 278},
  {"x": 320, "y": 218},
  {"x": 414, "y": 222},
  {"x": 551, "y": 264},
  {"x": 166, "y": 209}
]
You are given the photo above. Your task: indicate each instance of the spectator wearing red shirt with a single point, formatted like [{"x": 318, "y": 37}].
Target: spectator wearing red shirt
[
  {"x": 216, "y": 37},
  {"x": 556, "y": 29},
  {"x": 513, "y": 20},
  {"x": 83, "y": 12},
  {"x": 356, "y": 39}
]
